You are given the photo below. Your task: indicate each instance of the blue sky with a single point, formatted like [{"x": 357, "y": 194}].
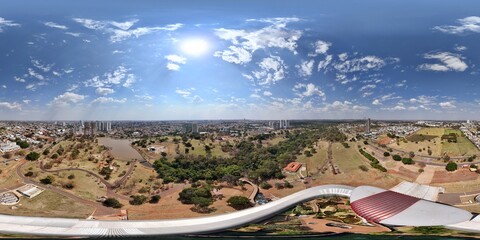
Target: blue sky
[{"x": 163, "y": 60}]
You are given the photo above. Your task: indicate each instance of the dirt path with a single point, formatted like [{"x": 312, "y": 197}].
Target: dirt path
[{"x": 426, "y": 176}]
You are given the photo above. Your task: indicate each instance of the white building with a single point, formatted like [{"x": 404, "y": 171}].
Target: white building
[{"x": 8, "y": 147}]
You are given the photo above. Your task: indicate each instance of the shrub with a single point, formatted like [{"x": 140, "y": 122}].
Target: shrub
[
  {"x": 363, "y": 168},
  {"x": 112, "y": 202},
  {"x": 138, "y": 199},
  {"x": 154, "y": 199},
  {"x": 386, "y": 154},
  {"x": 29, "y": 174},
  {"x": 239, "y": 202},
  {"x": 265, "y": 185},
  {"x": 47, "y": 180},
  {"x": 407, "y": 161},
  {"x": 32, "y": 156},
  {"x": 397, "y": 157}
]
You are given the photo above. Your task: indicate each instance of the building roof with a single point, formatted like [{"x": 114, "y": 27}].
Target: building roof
[
  {"x": 293, "y": 166},
  {"x": 393, "y": 208}
]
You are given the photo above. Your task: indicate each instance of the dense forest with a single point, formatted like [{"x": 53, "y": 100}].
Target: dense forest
[{"x": 250, "y": 159}]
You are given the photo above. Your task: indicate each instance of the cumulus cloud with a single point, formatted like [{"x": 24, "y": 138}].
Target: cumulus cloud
[
  {"x": 245, "y": 42},
  {"x": 267, "y": 93},
  {"x": 360, "y": 64},
  {"x": 7, "y": 23},
  {"x": 174, "y": 62},
  {"x": 66, "y": 99},
  {"x": 465, "y": 25},
  {"x": 381, "y": 99},
  {"x": 234, "y": 54},
  {"x": 120, "y": 76},
  {"x": 321, "y": 47},
  {"x": 323, "y": 64},
  {"x": 448, "y": 62},
  {"x": 447, "y": 105},
  {"x": 11, "y": 105},
  {"x": 55, "y": 25},
  {"x": 273, "y": 69},
  {"x": 305, "y": 68},
  {"x": 308, "y": 90},
  {"x": 104, "y": 91},
  {"x": 120, "y": 31},
  {"x": 109, "y": 100},
  {"x": 344, "y": 106}
]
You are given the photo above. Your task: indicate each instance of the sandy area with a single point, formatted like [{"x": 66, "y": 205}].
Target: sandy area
[{"x": 318, "y": 225}]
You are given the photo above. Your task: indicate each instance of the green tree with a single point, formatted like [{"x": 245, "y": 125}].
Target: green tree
[
  {"x": 32, "y": 156},
  {"x": 239, "y": 202},
  {"x": 407, "y": 161},
  {"x": 47, "y": 180},
  {"x": 138, "y": 199},
  {"x": 112, "y": 202},
  {"x": 154, "y": 199},
  {"x": 397, "y": 157},
  {"x": 23, "y": 144},
  {"x": 451, "y": 166},
  {"x": 386, "y": 154}
]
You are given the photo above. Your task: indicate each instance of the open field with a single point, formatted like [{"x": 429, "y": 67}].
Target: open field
[
  {"x": 316, "y": 160},
  {"x": 49, "y": 204},
  {"x": 431, "y": 138}
]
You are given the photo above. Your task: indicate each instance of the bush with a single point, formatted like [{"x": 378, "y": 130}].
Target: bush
[
  {"x": 397, "y": 157},
  {"x": 71, "y": 176},
  {"x": 47, "y": 180},
  {"x": 68, "y": 185},
  {"x": 32, "y": 156},
  {"x": 407, "y": 161},
  {"x": 386, "y": 154},
  {"x": 239, "y": 202},
  {"x": 138, "y": 199},
  {"x": 154, "y": 199},
  {"x": 363, "y": 168},
  {"x": 29, "y": 174},
  {"x": 451, "y": 166},
  {"x": 112, "y": 202},
  {"x": 265, "y": 185}
]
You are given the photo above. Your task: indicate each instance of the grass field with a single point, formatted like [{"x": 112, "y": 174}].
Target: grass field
[
  {"x": 430, "y": 138},
  {"x": 49, "y": 204},
  {"x": 317, "y": 159},
  {"x": 347, "y": 159}
]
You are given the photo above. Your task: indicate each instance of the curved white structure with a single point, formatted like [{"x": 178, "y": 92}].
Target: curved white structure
[{"x": 64, "y": 227}]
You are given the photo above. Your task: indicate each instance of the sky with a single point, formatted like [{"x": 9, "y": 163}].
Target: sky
[{"x": 225, "y": 59}]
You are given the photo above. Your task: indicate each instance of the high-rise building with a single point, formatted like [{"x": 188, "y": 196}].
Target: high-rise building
[
  {"x": 367, "y": 126},
  {"x": 89, "y": 129},
  {"x": 190, "y": 127},
  {"x": 104, "y": 126}
]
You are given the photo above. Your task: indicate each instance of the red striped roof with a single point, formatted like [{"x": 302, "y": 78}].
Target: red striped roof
[{"x": 381, "y": 206}]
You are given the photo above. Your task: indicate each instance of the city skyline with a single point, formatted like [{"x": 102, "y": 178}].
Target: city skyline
[{"x": 318, "y": 60}]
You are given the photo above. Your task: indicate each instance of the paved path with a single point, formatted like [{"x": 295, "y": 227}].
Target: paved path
[
  {"x": 426, "y": 176},
  {"x": 64, "y": 227},
  {"x": 255, "y": 189}
]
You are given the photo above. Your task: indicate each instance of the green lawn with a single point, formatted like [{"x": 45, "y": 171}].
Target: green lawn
[{"x": 347, "y": 159}]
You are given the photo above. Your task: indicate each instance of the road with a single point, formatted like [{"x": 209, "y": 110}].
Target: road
[{"x": 65, "y": 227}]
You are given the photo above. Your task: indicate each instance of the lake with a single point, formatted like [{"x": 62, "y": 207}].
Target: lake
[{"x": 120, "y": 148}]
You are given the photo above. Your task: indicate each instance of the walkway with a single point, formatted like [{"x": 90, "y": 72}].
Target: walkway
[{"x": 255, "y": 189}]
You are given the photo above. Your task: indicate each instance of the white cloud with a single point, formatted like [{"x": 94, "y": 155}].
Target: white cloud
[
  {"x": 174, "y": 62},
  {"x": 120, "y": 31},
  {"x": 377, "y": 102},
  {"x": 273, "y": 69},
  {"x": 18, "y": 79},
  {"x": 308, "y": 90},
  {"x": 4, "y": 86},
  {"x": 55, "y": 25},
  {"x": 344, "y": 106},
  {"x": 254, "y": 95},
  {"x": 73, "y": 34},
  {"x": 447, "y": 105},
  {"x": 173, "y": 67},
  {"x": 10, "y": 105},
  {"x": 66, "y": 99},
  {"x": 401, "y": 83},
  {"x": 7, "y": 23},
  {"x": 109, "y": 100},
  {"x": 44, "y": 67},
  {"x": 449, "y": 62},
  {"x": 34, "y": 74},
  {"x": 460, "y": 48},
  {"x": 104, "y": 91},
  {"x": 367, "y": 87},
  {"x": 305, "y": 68},
  {"x": 321, "y": 47},
  {"x": 465, "y": 25},
  {"x": 324, "y": 63},
  {"x": 235, "y": 55},
  {"x": 31, "y": 87},
  {"x": 144, "y": 97},
  {"x": 267, "y": 93},
  {"x": 117, "y": 77},
  {"x": 361, "y": 64},
  {"x": 245, "y": 42},
  {"x": 183, "y": 92},
  {"x": 176, "y": 59},
  {"x": 384, "y": 98}
]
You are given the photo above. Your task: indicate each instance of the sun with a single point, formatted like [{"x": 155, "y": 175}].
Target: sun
[{"x": 194, "y": 46}]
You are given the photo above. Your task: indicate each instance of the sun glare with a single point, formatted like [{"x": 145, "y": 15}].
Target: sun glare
[{"x": 194, "y": 47}]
